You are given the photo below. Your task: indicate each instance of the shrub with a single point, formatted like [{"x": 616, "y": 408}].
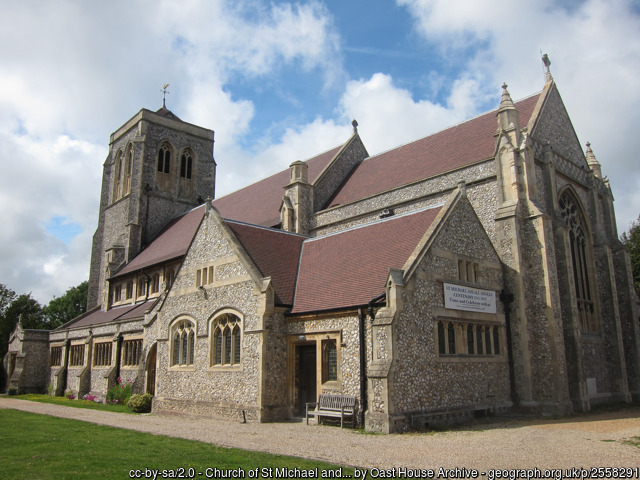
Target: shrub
[
  {"x": 140, "y": 403},
  {"x": 13, "y": 391},
  {"x": 119, "y": 392},
  {"x": 70, "y": 395},
  {"x": 50, "y": 389}
]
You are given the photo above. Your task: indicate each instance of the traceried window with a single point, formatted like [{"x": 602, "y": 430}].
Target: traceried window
[
  {"x": 183, "y": 343},
  {"x": 226, "y": 340},
  {"x": 131, "y": 352},
  {"x": 76, "y": 355},
  {"x": 185, "y": 185},
  {"x": 186, "y": 164},
  {"x": 580, "y": 255},
  {"x": 102, "y": 354},
  {"x": 55, "y": 358},
  {"x": 163, "y": 175}
]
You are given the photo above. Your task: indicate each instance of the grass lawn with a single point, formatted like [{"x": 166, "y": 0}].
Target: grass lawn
[
  {"x": 40, "y": 446},
  {"x": 73, "y": 403}
]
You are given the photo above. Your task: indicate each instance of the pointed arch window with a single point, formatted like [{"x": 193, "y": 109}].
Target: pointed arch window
[
  {"x": 580, "y": 262},
  {"x": 186, "y": 164},
  {"x": 185, "y": 185},
  {"x": 183, "y": 344},
  {"x": 128, "y": 166},
  {"x": 163, "y": 175},
  {"x": 117, "y": 177},
  {"x": 226, "y": 340}
]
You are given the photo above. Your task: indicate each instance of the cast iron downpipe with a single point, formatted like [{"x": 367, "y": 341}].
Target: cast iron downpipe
[
  {"x": 118, "y": 353},
  {"x": 363, "y": 364},
  {"x": 507, "y": 300},
  {"x": 67, "y": 347}
]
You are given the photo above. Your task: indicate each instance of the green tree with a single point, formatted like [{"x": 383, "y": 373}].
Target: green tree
[
  {"x": 21, "y": 307},
  {"x": 67, "y": 307},
  {"x": 12, "y": 308},
  {"x": 631, "y": 240}
]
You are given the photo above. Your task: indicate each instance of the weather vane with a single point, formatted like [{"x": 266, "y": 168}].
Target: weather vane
[{"x": 164, "y": 94}]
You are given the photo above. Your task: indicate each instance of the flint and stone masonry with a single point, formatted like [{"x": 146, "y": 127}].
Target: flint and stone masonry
[{"x": 333, "y": 277}]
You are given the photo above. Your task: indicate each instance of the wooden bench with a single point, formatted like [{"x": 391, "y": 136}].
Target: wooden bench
[{"x": 333, "y": 405}]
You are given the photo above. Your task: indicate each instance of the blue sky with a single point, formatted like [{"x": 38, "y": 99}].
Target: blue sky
[{"x": 281, "y": 81}]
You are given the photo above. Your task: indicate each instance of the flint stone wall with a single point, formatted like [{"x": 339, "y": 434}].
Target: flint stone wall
[
  {"x": 201, "y": 388},
  {"x": 423, "y": 381}
]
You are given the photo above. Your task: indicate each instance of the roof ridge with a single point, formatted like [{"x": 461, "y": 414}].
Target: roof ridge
[
  {"x": 378, "y": 221},
  {"x": 462, "y": 122},
  {"x": 276, "y": 230},
  {"x": 278, "y": 172}
]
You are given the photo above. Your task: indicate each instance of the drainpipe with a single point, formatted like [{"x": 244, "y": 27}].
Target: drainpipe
[
  {"x": 507, "y": 300},
  {"x": 118, "y": 353},
  {"x": 363, "y": 364},
  {"x": 66, "y": 364}
]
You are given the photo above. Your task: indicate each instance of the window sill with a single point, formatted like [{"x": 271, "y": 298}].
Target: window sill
[
  {"x": 226, "y": 368},
  {"x": 180, "y": 368}
]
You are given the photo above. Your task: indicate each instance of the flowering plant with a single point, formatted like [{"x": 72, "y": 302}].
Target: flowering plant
[
  {"x": 92, "y": 398},
  {"x": 119, "y": 392}
]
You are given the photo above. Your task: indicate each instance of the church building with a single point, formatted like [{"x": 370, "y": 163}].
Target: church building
[{"x": 473, "y": 271}]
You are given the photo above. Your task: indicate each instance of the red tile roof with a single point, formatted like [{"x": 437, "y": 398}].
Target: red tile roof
[
  {"x": 259, "y": 204},
  {"x": 171, "y": 243},
  {"x": 350, "y": 268},
  {"x": 97, "y": 316},
  {"x": 453, "y": 148},
  {"x": 275, "y": 253}
]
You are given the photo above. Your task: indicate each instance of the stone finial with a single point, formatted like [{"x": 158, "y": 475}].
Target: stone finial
[
  {"x": 547, "y": 73},
  {"x": 593, "y": 163},
  {"x": 508, "y": 116},
  {"x": 505, "y": 101},
  {"x": 355, "y": 126}
]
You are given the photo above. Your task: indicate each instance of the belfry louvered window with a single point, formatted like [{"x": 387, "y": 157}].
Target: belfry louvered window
[{"x": 580, "y": 262}]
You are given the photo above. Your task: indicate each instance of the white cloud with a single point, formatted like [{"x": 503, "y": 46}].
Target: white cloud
[
  {"x": 75, "y": 71},
  {"x": 594, "y": 47}
]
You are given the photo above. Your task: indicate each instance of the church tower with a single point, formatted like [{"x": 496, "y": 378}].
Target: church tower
[{"x": 157, "y": 168}]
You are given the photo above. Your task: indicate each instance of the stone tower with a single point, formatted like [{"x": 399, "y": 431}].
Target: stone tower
[{"x": 157, "y": 168}]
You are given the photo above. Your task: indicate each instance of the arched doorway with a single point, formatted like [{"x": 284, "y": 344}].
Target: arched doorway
[{"x": 151, "y": 369}]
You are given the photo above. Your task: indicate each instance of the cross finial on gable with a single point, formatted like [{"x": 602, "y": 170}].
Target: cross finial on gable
[{"x": 546, "y": 62}]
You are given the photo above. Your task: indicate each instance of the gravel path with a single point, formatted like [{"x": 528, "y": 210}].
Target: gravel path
[{"x": 592, "y": 440}]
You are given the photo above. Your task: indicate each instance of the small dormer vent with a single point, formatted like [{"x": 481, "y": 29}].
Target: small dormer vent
[{"x": 387, "y": 212}]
